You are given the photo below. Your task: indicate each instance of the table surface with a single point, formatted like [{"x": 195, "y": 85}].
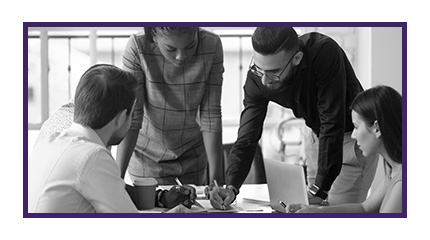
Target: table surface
[{"x": 253, "y": 198}]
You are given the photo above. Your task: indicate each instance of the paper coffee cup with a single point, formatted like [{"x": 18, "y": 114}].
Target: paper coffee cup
[{"x": 145, "y": 192}]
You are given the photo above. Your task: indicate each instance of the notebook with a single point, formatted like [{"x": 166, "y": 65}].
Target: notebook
[{"x": 286, "y": 183}]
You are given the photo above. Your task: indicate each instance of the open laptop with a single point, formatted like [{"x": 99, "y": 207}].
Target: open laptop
[{"x": 286, "y": 183}]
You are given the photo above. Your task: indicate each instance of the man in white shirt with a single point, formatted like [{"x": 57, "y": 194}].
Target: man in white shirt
[{"x": 73, "y": 171}]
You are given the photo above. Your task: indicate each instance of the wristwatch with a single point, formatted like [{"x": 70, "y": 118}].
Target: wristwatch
[{"x": 316, "y": 191}]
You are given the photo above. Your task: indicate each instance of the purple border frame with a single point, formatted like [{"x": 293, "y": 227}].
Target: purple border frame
[{"x": 26, "y": 25}]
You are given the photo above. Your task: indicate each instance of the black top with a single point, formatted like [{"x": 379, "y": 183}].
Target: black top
[{"x": 320, "y": 92}]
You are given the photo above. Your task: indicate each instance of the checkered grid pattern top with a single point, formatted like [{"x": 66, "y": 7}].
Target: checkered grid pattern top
[{"x": 174, "y": 104}]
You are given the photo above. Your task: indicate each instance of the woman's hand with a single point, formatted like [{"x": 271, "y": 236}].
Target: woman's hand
[{"x": 307, "y": 209}]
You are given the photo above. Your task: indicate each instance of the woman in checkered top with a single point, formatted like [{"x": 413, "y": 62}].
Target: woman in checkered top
[{"x": 176, "y": 129}]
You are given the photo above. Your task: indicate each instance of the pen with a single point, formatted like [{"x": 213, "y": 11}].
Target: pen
[
  {"x": 217, "y": 189},
  {"x": 283, "y": 205},
  {"x": 177, "y": 181},
  {"x": 195, "y": 202}
]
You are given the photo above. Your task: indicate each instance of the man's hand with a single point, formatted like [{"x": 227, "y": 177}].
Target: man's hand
[
  {"x": 185, "y": 195},
  {"x": 222, "y": 199},
  {"x": 315, "y": 200}
]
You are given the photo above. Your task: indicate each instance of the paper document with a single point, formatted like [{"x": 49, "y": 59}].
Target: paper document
[
  {"x": 231, "y": 209},
  {"x": 264, "y": 202}
]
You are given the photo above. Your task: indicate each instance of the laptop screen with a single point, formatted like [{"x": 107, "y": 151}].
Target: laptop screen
[{"x": 286, "y": 183}]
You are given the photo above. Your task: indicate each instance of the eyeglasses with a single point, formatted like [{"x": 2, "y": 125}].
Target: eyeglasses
[{"x": 273, "y": 77}]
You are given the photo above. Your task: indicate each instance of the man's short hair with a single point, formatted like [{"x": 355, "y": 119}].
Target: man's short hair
[
  {"x": 271, "y": 40},
  {"x": 103, "y": 91}
]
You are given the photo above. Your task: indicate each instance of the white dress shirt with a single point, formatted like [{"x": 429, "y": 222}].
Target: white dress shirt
[{"x": 73, "y": 172}]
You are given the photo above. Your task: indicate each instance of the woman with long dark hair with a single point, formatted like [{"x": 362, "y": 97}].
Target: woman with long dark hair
[{"x": 377, "y": 119}]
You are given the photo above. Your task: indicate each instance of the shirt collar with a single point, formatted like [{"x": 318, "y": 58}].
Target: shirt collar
[{"x": 86, "y": 132}]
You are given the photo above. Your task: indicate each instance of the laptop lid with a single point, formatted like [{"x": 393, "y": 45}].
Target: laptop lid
[{"x": 286, "y": 183}]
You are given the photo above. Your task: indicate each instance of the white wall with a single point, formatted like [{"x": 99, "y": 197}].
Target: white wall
[
  {"x": 386, "y": 65},
  {"x": 364, "y": 57},
  {"x": 379, "y": 57}
]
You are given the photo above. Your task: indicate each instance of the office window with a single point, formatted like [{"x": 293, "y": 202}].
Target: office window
[
  {"x": 68, "y": 58},
  {"x": 34, "y": 82},
  {"x": 69, "y": 55},
  {"x": 237, "y": 52},
  {"x": 69, "y": 52},
  {"x": 110, "y": 48}
]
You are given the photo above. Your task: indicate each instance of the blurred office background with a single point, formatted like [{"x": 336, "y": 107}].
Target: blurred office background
[{"x": 57, "y": 57}]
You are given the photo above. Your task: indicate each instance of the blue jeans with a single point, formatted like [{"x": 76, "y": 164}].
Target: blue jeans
[{"x": 356, "y": 176}]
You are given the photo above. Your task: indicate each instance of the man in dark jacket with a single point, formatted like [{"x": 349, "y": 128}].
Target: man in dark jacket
[{"x": 312, "y": 76}]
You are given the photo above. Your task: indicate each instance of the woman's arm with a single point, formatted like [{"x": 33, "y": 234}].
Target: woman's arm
[
  {"x": 125, "y": 150},
  {"x": 210, "y": 114},
  {"x": 213, "y": 146},
  {"x": 373, "y": 203},
  {"x": 394, "y": 202},
  {"x": 131, "y": 63},
  {"x": 343, "y": 208}
]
